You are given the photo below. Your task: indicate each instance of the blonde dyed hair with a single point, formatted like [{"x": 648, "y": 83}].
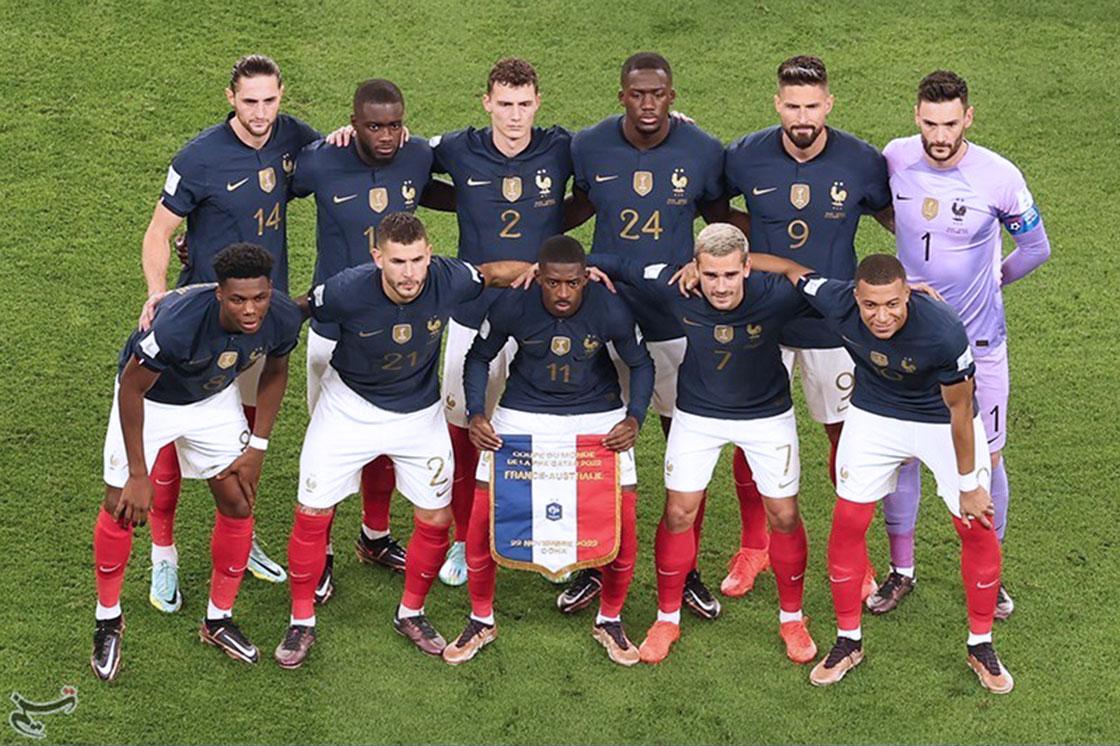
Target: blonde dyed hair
[{"x": 721, "y": 239}]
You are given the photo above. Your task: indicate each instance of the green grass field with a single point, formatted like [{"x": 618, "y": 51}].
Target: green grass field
[{"x": 97, "y": 97}]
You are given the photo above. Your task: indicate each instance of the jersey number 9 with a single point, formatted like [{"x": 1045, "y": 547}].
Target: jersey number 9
[{"x": 798, "y": 231}]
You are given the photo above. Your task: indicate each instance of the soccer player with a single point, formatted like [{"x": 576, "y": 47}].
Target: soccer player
[
  {"x": 174, "y": 386},
  {"x": 950, "y": 198},
  {"x": 561, "y": 382},
  {"x": 645, "y": 175},
  {"x": 913, "y": 398},
  {"x": 230, "y": 183},
  {"x": 381, "y": 398},
  {"x": 805, "y": 186},
  {"x": 355, "y": 187},
  {"x": 732, "y": 388}
]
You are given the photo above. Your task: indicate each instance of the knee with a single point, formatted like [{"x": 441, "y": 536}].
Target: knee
[
  {"x": 784, "y": 516},
  {"x": 235, "y": 507},
  {"x": 438, "y": 518},
  {"x": 679, "y": 516}
]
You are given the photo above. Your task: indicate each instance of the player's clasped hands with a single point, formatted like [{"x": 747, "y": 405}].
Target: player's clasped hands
[
  {"x": 976, "y": 505},
  {"x": 623, "y": 435},
  {"x": 482, "y": 434}
]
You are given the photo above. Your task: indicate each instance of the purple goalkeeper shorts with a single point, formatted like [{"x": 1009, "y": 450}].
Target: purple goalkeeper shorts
[{"x": 993, "y": 384}]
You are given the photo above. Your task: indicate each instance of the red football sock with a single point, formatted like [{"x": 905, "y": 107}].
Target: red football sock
[
  {"x": 307, "y": 555},
  {"x": 618, "y": 574},
  {"x": 229, "y": 552},
  {"x": 673, "y": 556},
  {"x": 462, "y": 489},
  {"x": 980, "y": 569},
  {"x": 697, "y": 528},
  {"x": 378, "y": 481},
  {"x": 847, "y": 559},
  {"x": 751, "y": 511},
  {"x": 166, "y": 483},
  {"x": 112, "y": 546},
  {"x": 250, "y": 415},
  {"x": 426, "y": 550},
  {"x": 482, "y": 571},
  {"x": 788, "y": 556}
]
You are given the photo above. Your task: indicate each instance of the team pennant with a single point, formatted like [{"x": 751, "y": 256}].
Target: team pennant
[{"x": 555, "y": 503}]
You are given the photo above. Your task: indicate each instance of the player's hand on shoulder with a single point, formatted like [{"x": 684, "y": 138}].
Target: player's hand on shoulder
[
  {"x": 682, "y": 117},
  {"x": 482, "y": 434},
  {"x": 148, "y": 312},
  {"x": 525, "y": 280},
  {"x": 926, "y": 288},
  {"x": 597, "y": 275},
  {"x": 687, "y": 279},
  {"x": 976, "y": 505},
  {"x": 247, "y": 469},
  {"x": 134, "y": 501},
  {"x": 340, "y": 138},
  {"x": 623, "y": 435}
]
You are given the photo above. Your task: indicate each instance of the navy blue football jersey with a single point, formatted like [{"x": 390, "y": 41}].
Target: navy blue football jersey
[
  {"x": 195, "y": 357},
  {"x": 732, "y": 367},
  {"x": 900, "y": 377},
  {"x": 646, "y": 200},
  {"x": 388, "y": 352},
  {"x": 562, "y": 365},
  {"x": 506, "y": 207},
  {"x": 351, "y": 197},
  {"x": 808, "y": 212},
  {"x": 230, "y": 192}
]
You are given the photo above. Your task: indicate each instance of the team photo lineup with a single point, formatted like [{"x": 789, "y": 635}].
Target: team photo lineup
[{"x": 500, "y": 389}]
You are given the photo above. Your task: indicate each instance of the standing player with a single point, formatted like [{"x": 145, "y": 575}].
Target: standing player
[
  {"x": 913, "y": 398},
  {"x": 354, "y": 187},
  {"x": 950, "y": 198},
  {"x": 230, "y": 183},
  {"x": 645, "y": 175},
  {"x": 381, "y": 398},
  {"x": 805, "y": 186},
  {"x": 732, "y": 388},
  {"x": 561, "y": 382},
  {"x": 174, "y": 386}
]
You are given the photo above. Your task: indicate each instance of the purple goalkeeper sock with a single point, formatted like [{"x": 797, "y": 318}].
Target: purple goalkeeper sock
[
  {"x": 900, "y": 513},
  {"x": 1001, "y": 497}
]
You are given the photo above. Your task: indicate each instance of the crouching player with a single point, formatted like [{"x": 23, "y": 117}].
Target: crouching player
[
  {"x": 913, "y": 399},
  {"x": 174, "y": 386},
  {"x": 381, "y": 398},
  {"x": 561, "y": 383}
]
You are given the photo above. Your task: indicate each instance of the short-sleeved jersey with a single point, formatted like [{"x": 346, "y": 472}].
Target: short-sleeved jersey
[
  {"x": 506, "y": 207},
  {"x": 947, "y": 227},
  {"x": 230, "y": 192},
  {"x": 808, "y": 212},
  {"x": 195, "y": 357},
  {"x": 562, "y": 365},
  {"x": 900, "y": 377},
  {"x": 646, "y": 200},
  {"x": 388, "y": 352},
  {"x": 732, "y": 367},
  {"x": 351, "y": 197}
]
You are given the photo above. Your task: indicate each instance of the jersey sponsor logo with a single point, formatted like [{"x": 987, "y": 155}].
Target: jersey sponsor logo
[
  {"x": 149, "y": 345},
  {"x": 643, "y": 183},
  {"x": 511, "y": 188},
  {"x": 799, "y": 195},
  {"x": 930, "y": 208},
  {"x": 338, "y": 199},
  {"x": 476, "y": 182},
  {"x": 560, "y": 346},
  {"x": 965, "y": 359},
  {"x": 232, "y": 185},
  {"x": 723, "y": 333},
  {"x": 266, "y": 177},
  {"x": 652, "y": 271},
  {"x": 544, "y": 182},
  {"x": 172, "y": 182},
  {"x": 600, "y": 178},
  {"x": 227, "y": 359},
  {"x": 402, "y": 333},
  {"x": 679, "y": 181},
  {"x": 378, "y": 199},
  {"x": 759, "y": 192},
  {"x": 408, "y": 192},
  {"x": 838, "y": 194},
  {"x": 879, "y": 359}
]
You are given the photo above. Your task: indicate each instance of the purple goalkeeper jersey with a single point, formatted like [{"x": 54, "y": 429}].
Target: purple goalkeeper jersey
[{"x": 947, "y": 227}]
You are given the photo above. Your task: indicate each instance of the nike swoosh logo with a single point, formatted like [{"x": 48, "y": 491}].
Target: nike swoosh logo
[
  {"x": 230, "y": 186},
  {"x": 174, "y": 595},
  {"x": 690, "y": 322},
  {"x": 533, "y": 342},
  {"x": 110, "y": 568},
  {"x": 247, "y": 652},
  {"x": 599, "y": 179},
  {"x": 900, "y": 198},
  {"x": 795, "y": 578},
  {"x": 759, "y": 192},
  {"x": 666, "y": 574},
  {"x": 339, "y": 200},
  {"x": 839, "y": 580},
  {"x": 374, "y": 333},
  {"x": 104, "y": 670},
  {"x": 472, "y": 182},
  {"x": 783, "y": 485},
  {"x": 982, "y": 586}
]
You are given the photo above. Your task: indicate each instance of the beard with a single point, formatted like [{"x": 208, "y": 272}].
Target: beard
[
  {"x": 954, "y": 148},
  {"x": 803, "y": 137}
]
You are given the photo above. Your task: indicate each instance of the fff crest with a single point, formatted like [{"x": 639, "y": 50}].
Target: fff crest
[
  {"x": 679, "y": 180},
  {"x": 590, "y": 344},
  {"x": 544, "y": 182},
  {"x": 434, "y": 325},
  {"x": 838, "y": 194},
  {"x": 561, "y": 345},
  {"x": 287, "y": 163},
  {"x": 930, "y": 208},
  {"x": 402, "y": 333},
  {"x": 511, "y": 188},
  {"x": 723, "y": 333},
  {"x": 643, "y": 182},
  {"x": 378, "y": 199},
  {"x": 799, "y": 195},
  {"x": 266, "y": 177},
  {"x": 408, "y": 191},
  {"x": 754, "y": 330},
  {"x": 908, "y": 365}
]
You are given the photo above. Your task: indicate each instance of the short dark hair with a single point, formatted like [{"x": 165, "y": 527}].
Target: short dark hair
[
  {"x": 377, "y": 91},
  {"x": 645, "y": 61},
  {"x": 252, "y": 66},
  {"x": 880, "y": 269},
  {"x": 802, "y": 70},
  {"x": 242, "y": 261},
  {"x": 402, "y": 228},
  {"x": 943, "y": 85},
  {"x": 514, "y": 72},
  {"x": 562, "y": 250}
]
